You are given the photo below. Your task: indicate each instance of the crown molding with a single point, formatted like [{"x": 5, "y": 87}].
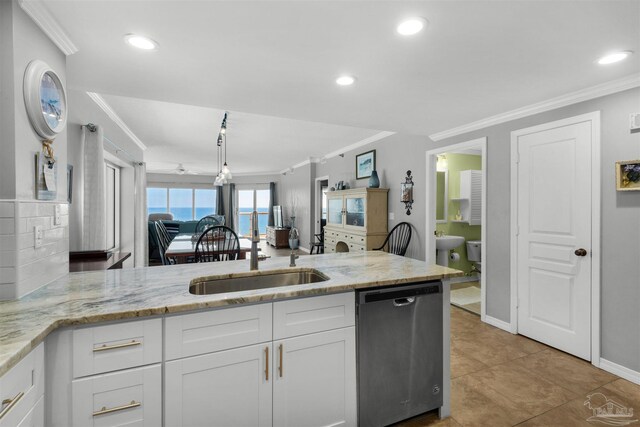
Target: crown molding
[
  {"x": 377, "y": 137},
  {"x": 100, "y": 101},
  {"x": 619, "y": 85},
  {"x": 39, "y": 13}
]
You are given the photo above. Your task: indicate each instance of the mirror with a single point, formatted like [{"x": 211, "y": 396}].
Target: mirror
[{"x": 442, "y": 196}]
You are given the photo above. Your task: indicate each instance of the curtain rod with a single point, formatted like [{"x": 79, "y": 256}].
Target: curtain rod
[{"x": 93, "y": 128}]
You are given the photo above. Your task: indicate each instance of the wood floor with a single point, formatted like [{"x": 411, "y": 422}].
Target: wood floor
[{"x": 501, "y": 379}]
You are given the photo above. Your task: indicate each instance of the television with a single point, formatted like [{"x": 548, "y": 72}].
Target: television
[{"x": 277, "y": 216}]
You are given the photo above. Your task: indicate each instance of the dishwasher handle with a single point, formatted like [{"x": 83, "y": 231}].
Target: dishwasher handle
[{"x": 402, "y": 302}]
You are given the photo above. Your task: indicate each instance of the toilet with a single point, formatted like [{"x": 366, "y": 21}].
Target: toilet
[{"x": 473, "y": 254}]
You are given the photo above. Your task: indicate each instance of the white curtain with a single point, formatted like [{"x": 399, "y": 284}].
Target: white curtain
[
  {"x": 94, "y": 236},
  {"x": 141, "y": 241}
]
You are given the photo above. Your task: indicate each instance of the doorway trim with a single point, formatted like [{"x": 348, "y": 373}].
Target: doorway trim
[
  {"x": 430, "y": 241},
  {"x": 317, "y": 216},
  {"x": 596, "y": 166}
]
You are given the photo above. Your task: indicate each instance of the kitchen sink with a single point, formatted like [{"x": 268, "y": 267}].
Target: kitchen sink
[{"x": 246, "y": 282}]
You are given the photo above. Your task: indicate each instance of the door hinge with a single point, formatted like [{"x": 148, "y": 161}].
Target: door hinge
[{"x": 517, "y": 158}]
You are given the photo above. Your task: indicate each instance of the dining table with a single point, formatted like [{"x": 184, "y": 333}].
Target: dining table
[{"x": 183, "y": 247}]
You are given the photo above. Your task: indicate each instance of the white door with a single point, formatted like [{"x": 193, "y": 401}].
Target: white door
[
  {"x": 554, "y": 169},
  {"x": 227, "y": 388},
  {"x": 315, "y": 380}
]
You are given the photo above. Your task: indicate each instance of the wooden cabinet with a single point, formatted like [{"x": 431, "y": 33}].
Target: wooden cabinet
[
  {"x": 315, "y": 381},
  {"x": 356, "y": 219},
  {"x": 227, "y": 388},
  {"x": 278, "y": 237},
  {"x": 22, "y": 391}
]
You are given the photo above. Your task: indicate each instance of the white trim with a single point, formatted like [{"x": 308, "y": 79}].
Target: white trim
[
  {"x": 596, "y": 167},
  {"x": 377, "y": 137},
  {"x": 100, "y": 101},
  {"x": 318, "y": 198},
  {"x": 619, "y": 85},
  {"x": 430, "y": 242},
  {"x": 39, "y": 13},
  {"x": 500, "y": 324},
  {"x": 303, "y": 249},
  {"x": 621, "y": 371}
]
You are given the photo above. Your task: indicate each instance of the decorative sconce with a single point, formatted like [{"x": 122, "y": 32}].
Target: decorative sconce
[{"x": 406, "y": 189}]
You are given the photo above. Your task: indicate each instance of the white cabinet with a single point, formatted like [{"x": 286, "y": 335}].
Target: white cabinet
[
  {"x": 470, "y": 200},
  {"x": 227, "y": 388},
  {"x": 130, "y": 397},
  {"x": 356, "y": 219},
  {"x": 315, "y": 381},
  {"x": 21, "y": 391}
]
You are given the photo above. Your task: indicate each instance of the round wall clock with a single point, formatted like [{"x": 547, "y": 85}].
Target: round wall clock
[{"x": 45, "y": 99}]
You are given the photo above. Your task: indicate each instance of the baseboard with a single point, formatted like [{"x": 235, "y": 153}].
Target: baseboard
[
  {"x": 621, "y": 371},
  {"x": 500, "y": 324},
  {"x": 303, "y": 249}
]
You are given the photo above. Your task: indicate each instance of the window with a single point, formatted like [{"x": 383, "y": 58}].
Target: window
[
  {"x": 185, "y": 204},
  {"x": 112, "y": 205},
  {"x": 248, "y": 201}
]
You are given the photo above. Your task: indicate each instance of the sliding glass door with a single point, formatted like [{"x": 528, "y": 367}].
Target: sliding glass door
[{"x": 250, "y": 199}]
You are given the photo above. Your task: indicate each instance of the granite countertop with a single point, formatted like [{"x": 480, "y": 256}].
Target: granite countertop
[{"x": 98, "y": 296}]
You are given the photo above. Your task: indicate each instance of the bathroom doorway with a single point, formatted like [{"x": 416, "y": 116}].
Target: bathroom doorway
[{"x": 456, "y": 214}]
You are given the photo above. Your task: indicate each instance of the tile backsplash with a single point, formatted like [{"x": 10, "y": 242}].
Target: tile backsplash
[{"x": 23, "y": 267}]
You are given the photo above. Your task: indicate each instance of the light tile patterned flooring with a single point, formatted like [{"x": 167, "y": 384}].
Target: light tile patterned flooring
[
  {"x": 466, "y": 295},
  {"x": 501, "y": 379}
]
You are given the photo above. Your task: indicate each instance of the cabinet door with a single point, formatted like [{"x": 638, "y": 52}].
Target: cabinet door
[
  {"x": 315, "y": 380},
  {"x": 334, "y": 210},
  {"x": 227, "y": 388},
  {"x": 355, "y": 208}
]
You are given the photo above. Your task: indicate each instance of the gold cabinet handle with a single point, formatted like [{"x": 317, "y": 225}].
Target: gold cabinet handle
[
  {"x": 10, "y": 404},
  {"x": 280, "y": 366},
  {"x": 104, "y": 409},
  {"x": 112, "y": 347},
  {"x": 266, "y": 364}
]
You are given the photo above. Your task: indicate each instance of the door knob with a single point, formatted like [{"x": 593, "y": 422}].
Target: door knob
[{"x": 581, "y": 252}]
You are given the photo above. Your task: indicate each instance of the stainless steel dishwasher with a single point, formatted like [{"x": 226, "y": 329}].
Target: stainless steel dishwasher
[{"x": 399, "y": 333}]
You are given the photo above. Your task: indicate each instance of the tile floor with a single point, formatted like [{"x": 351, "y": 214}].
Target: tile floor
[
  {"x": 501, "y": 379},
  {"x": 466, "y": 295}
]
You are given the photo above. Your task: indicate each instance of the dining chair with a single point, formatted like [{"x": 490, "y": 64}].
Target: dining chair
[
  {"x": 163, "y": 242},
  {"x": 208, "y": 221},
  {"x": 217, "y": 243},
  {"x": 317, "y": 244},
  {"x": 397, "y": 240}
]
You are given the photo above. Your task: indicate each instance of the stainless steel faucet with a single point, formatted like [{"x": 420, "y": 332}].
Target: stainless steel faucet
[
  {"x": 292, "y": 258},
  {"x": 255, "y": 239}
]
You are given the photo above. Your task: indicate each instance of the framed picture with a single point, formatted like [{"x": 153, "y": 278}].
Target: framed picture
[
  {"x": 628, "y": 175},
  {"x": 365, "y": 164}
]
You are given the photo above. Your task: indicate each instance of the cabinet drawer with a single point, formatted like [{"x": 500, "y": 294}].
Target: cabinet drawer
[
  {"x": 108, "y": 348},
  {"x": 209, "y": 331},
  {"x": 131, "y": 397},
  {"x": 315, "y": 314},
  {"x": 22, "y": 387},
  {"x": 35, "y": 417},
  {"x": 354, "y": 247}
]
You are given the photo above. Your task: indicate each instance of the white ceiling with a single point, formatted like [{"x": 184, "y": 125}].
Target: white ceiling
[
  {"x": 280, "y": 59},
  {"x": 187, "y": 134}
]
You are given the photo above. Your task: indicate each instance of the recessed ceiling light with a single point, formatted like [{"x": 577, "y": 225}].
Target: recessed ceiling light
[
  {"x": 411, "y": 26},
  {"x": 614, "y": 57},
  {"x": 141, "y": 42},
  {"x": 345, "y": 80}
]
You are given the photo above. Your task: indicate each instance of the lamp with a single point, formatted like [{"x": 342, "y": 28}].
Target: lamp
[
  {"x": 442, "y": 164},
  {"x": 225, "y": 171}
]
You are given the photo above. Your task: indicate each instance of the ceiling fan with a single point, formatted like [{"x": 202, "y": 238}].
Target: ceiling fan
[{"x": 179, "y": 170}]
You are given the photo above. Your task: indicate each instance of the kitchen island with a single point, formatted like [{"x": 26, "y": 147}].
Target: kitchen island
[{"x": 87, "y": 301}]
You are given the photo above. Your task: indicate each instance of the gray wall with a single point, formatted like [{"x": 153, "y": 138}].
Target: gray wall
[
  {"x": 296, "y": 197},
  {"x": 7, "y": 108},
  {"x": 394, "y": 156},
  {"x": 620, "y": 296}
]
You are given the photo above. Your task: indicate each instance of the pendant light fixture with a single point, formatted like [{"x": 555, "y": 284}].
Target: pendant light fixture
[{"x": 224, "y": 173}]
